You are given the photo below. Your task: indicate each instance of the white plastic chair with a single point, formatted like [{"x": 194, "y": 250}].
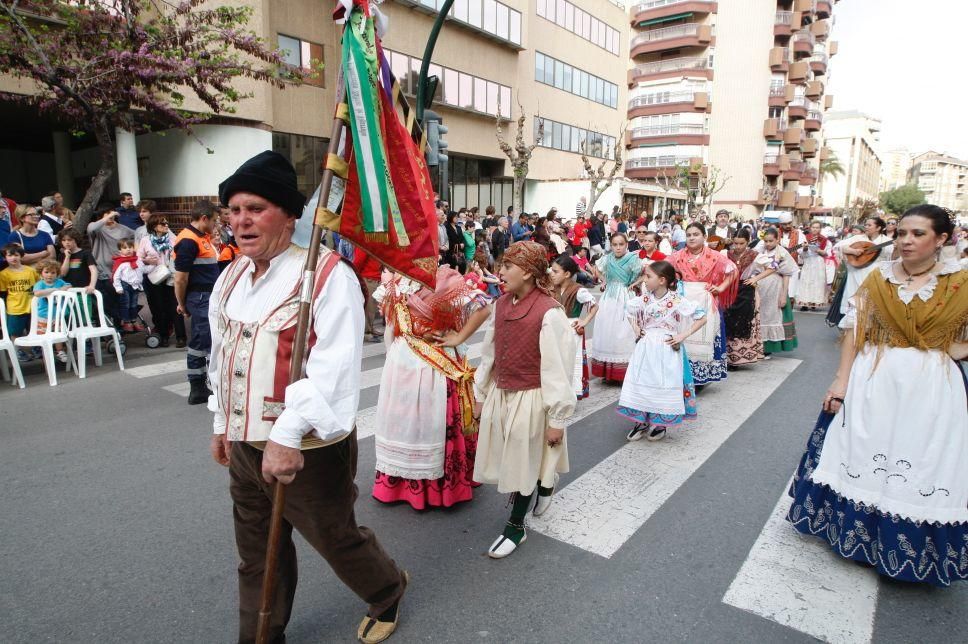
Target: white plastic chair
[
  {"x": 8, "y": 351},
  {"x": 59, "y": 305},
  {"x": 83, "y": 328}
]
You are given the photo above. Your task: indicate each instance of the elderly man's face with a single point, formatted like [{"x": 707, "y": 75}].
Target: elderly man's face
[{"x": 262, "y": 229}]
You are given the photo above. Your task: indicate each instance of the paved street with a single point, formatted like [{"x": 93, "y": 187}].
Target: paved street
[{"x": 117, "y": 527}]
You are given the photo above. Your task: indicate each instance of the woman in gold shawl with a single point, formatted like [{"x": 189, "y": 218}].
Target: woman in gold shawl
[{"x": 884, "y": 479}]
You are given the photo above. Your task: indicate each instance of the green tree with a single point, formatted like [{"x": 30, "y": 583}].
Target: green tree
[
  {"x": 831, "y": 166},
  {"x": 900, "y": 199}
]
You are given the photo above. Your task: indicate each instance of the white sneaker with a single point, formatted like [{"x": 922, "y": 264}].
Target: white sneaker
[
  {"x": 503, "y": 546},
  {"x": 62, "y": 356}
]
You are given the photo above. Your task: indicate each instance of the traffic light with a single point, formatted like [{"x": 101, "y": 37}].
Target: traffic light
[{"x": 437, "y": 147}]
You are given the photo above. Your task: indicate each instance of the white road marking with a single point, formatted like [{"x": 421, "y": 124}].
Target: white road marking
[
  {"x": 797, "y": 581},
  {"x": 604, "y": 507},
  {"x": 180, "y": 389},
  {"x": 157, "y": 369}
]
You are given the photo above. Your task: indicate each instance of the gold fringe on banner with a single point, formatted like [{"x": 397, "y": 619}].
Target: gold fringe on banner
[
  {"x": 343, "y": 112},
  {"x": 327, "y": 218},
  {"x": 411, "y": 117},
  {"x": 382, "y": 238},
  {"x": 338, "y": 165},
  {"x": 395, "y": 91}
]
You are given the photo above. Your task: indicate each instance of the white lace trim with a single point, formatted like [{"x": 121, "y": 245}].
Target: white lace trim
[{"x": 926, "y": 291}]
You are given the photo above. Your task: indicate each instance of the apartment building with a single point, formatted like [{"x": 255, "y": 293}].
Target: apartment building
[
  {"x": 564, "y": 61},
  {"x": 943, "y": 180},
  {"x": 734, "y": 88},
  {"x": 894, "y": 168},
  {"x": 853, "y": 138}
]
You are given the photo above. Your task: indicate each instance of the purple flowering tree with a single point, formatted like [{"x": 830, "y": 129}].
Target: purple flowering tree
[{"x": 133, "y": 64}]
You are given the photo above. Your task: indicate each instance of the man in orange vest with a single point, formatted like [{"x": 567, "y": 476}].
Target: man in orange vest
[{"x": 196, "y": 269}]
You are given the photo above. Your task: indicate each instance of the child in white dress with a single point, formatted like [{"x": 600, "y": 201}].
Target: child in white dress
[{"x": 658, "y": 390}]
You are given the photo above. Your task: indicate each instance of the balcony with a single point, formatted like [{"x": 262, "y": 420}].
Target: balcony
[
  {"x": 780, "y": 95},
  {"x": 798, "y": 72},
  {"x": 792, "y": 137},
  {"x": 786, "y": 199},
  {"x": 809, "y": 147},
  {"x": 668, "y": 103},
  {"x": 773, "y": 129},
  {"x": 814, "y": 89},
  {"x": 809, "y": 177},
  {"x": 804, "y": 203},
  {"x": 802, "y": 44},
  {"x": 820, "y": 30},
  {"x": 818, "y": 63},
  {"x": 832, "y": 47},
  {"x": 658, "y": 9},
  {"x": 797, "y": 109},
  {"x": 676, "y": 37},
  {"x": 690, "y": 67},
  {"x": 803, "y": 6},
  {"x": 814, "y": 121},
  {"x": 676, "y": 134},
  {"x": 824, "y": 152},
  {"x": 651, "y": 167},
  {"x": 786, "y": 22},
  {"x": 824, "y": 9},
  {"x": 794, "y": 171},
  {"x": 828, "y": 101},
  {"x": 780, "y": 59},
  {"x": 771, "y": 164}
]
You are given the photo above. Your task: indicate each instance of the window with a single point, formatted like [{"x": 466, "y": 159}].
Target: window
[
  {"x": 502, "y": 21},
  {"x": 460, "y": 10},
  {"x": 466, "y": 91},
  {"x": 480, "y": 94},
  {"x": 492, "y": 102},
  {"x": 569, "y": 138},
  {"x": 574, "y": 81},
  {"x": 490, "y": 16},
  {"x": 514, "y": 34},
  {"x": 305, "y": 55},
  {"x": 451, "y": 87},
  {"x": 475, "y": 12},
  {"x": 505, "y": 101},
  {"x": 566, "y": 15}
]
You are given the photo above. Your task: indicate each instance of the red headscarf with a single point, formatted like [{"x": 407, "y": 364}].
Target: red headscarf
[{"x": 531, "y": 257}]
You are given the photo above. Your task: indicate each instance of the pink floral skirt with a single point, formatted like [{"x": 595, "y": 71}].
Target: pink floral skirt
[{"x": 457, "y": 483}]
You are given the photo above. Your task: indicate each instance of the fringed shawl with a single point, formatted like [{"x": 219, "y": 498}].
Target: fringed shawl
[
  {"x": 710, "y": 267},
  {"x": 884, "y": 320}
]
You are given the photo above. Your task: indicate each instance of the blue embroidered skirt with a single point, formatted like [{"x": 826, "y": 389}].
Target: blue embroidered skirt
[{"x": 713, "y": 370}]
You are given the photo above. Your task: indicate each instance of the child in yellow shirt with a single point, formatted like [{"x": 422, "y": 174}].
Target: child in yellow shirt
[{"x": 17, "y": 282}]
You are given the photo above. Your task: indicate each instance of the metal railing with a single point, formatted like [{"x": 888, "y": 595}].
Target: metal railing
[
  {"x": 798, "y": 101},
  {"x": 771, "y": 159},
  {"x": 661, "y": 98},
  {"x": 658, "y": 162},
  {"x": 678, "y": 31},
  {"x": 804, "y": 36},
  {"x": 672, "y": 65},
  {"x": 777, "y": 89},
  {"x": 815, "y": 115},
  {"x": 819, "y": 57},
  {"x": 783, "y": 18},
  {"x": 667, "y": 130},
  {"x": 797, "y": 167}
]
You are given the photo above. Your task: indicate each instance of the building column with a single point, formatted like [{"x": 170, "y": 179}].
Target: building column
[
  {"x": 63, "y": 167},
  {"x": 127, "y": 153}
]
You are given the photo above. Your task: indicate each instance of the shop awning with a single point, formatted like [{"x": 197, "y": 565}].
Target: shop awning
[{"x": 656, "y": 21}]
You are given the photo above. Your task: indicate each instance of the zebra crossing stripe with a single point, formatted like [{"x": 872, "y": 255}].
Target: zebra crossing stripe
[
  {"x": 604, "y": 507},
  {"x": 797, "y": 581}
]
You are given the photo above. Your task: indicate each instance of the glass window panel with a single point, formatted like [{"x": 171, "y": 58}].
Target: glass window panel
[
  {"x": 474, "y": 12},
  {"x": 560, "y": 13},
  {"x": 480, "y": 94},
  {"x": 576, "y": 82},
  {"x": 556, "y": 135},
  {"x": 505, "y": 99},
  {"x": 585, "y": 84},
  {"x": 414, "y": 74},
  {"x": 460, "y": 10},
  {"x": 601, "y": 36},
  {"x": 549, "y": 70},
  {"x": 568, "y": 81},
  {"x": 431, "y": 4},
  {"x": 515, "y": 34},
  {"x": 492, "y": 91},
  {"x": 485, "y": 194},
  {"x": 399, "y": 65},
  {"x": 570, "y": 17},
  {"x": 458, "y": 169},
  {"x": 438, "y": 71},
  {"x": 502, "y": 21},
  {"x": 586, "y": 26},
  {"x": 539, "y": 67},
  {"x": 559, "y": 74},
  {"x": 614, "y": 95},
  {"x": 490, "y": 14},
  {"x": 575, "y": 139},
  {"x": 565, "y": 136},
  {"x": 458, "y": 196},
  {"x": 451, "y": 87},
  {"x": 466, "y": 91},
  {"x": 542, "y": 7},
  {"x": 291, "y": 49},
  {"x": 550, "y": 13}
]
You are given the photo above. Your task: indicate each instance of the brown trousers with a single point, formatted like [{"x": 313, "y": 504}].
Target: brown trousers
[
  {"x": 370, "y": 307},
  {"x": 319, "y": 504}
]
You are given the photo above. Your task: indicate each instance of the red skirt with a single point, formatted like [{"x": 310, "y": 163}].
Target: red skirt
[
  {"x": 455, "y": 486},
  {"x": 614, "y": 371}
]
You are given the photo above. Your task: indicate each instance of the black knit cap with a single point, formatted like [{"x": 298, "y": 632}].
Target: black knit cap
[{"x": 269, "y": 175}]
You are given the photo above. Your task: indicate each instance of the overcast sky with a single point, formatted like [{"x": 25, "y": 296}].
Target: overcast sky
[{"x": 903, "y": 61}]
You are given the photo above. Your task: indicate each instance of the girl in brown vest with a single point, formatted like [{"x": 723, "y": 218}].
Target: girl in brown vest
[{"x": 525, "y": 383}]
